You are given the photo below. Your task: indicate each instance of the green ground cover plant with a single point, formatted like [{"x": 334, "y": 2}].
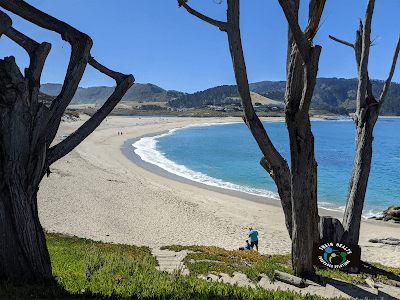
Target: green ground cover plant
[
  {"x": 86, "y": 269},
  {"x": 205, "y": 260}
]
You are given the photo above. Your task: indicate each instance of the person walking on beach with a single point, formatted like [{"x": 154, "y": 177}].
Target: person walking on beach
[{"x": 253, "y": 234}]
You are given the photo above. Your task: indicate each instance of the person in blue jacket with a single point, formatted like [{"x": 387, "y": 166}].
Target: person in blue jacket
[
  {"x": 248, "y": 246},
  {"x": 253, "y": 234}
]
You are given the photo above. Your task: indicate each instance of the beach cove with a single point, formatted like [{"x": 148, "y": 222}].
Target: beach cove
[{"x": 99, "y": 193}]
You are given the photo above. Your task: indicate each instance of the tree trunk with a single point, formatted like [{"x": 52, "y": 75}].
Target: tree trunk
[
  {"x": 23, "y": 251},
  {"x": 365, "y": 118},
  {"x": 365, "y": 122},
  {"x": 302, "y": 162},
  {"x": 27, "y": 129},
  {"x": 297, "y": 187},
  {"x": 301, "y": 79},
  {"x": 271, "y": 161}
]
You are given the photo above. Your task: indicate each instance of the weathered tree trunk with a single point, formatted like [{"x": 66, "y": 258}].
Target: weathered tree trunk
[
  {"x": 365, "y": 118},
  {"x": 271, "y": 161},
  {"x": 297, "y": 187},
  {"x": 27, "y": 129},
  {"x": 23, "y": 251},
  {"x": 303, "y": 168},
  {"x": 302, "y": 68},
  {"x": 359, "y": 176}
]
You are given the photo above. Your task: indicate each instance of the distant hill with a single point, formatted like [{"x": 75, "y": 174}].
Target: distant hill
[
  {"x": 336, "y": 95},
  {"x": 219, "y": 95},
  {"x": 99, "y": 94},
  {"x": 216, "y": 95}
]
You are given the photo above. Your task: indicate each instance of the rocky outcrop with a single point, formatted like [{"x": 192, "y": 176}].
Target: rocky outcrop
[
  {"x": 392, "y": 213},
  {"x": 388, "y": 241}
]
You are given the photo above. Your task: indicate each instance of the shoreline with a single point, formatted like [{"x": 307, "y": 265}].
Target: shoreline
[
  {"x": 127, "y": 150},
  {"x": 97, "y": 192}
]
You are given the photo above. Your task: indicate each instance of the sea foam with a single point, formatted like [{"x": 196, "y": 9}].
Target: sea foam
[{"x": 146, "y": 148}]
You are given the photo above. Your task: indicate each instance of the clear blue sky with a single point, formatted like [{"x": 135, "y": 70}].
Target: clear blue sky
[{"x": 162, "y": 44}]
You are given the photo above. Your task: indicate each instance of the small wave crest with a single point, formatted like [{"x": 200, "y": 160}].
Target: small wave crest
[
  {"x": 146, "y": 148},
  {"x": 366, "y": 214}
]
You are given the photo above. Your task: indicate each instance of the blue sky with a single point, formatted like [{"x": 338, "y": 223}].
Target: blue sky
[{"x": 162, "y": 44}]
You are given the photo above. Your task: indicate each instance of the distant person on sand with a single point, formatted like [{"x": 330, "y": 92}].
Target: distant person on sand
[
  {"x": 253, "y": 234},
  {"x": 247, "y": 246}
]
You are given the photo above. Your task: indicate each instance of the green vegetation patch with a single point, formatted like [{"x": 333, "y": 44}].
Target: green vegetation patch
[
  {"x": 206, "y": 259},
  {"x": 72, "y": 113},
  {"x": 86, "y": 269}
]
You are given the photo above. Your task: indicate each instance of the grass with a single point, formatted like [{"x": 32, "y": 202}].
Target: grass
[
  {"x": 250, "y": 263},
  {"x": 224, "y": 261},
  {"x": 72, "y": 113},
  {"x": 86, "y": 269}
]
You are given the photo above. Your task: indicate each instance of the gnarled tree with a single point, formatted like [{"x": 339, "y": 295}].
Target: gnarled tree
[
  {"x": 297, "y": 186},
  {"x": 365, "y": 117},
  {"x": 27, "y": 129}
]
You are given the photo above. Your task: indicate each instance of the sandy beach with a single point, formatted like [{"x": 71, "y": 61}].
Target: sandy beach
[{"x": 97, "y": 192}]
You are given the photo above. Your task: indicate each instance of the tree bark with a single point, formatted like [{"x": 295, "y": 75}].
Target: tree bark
[
  {"x": 303, "y": 168},
  {"x": 27, "y": 129},
  {"x": 288, "y": 278},
  {"x": 23, "y": 252},
  {"x": 302, "y": 68},
  {"x": 297, "y": 187},
  {"x": 360, "y": 174},
  {"x": 365, "y": 118},
  {"x": 271, "y": 161}
]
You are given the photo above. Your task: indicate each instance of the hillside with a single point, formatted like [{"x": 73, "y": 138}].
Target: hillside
[
  {"x": 334, "y": 95},
  {"x": 99, "y": 94}
]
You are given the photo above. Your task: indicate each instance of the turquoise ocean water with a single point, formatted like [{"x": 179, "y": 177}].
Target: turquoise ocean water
[{"x": 226, "y": 155}]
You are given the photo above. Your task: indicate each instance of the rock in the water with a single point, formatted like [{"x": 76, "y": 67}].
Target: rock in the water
[{"x": 392, "y": 211}]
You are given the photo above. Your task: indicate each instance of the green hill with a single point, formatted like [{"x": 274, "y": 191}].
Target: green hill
[
  {"x": 99, "y": 94},
  {"x": 335, "y": 95}
]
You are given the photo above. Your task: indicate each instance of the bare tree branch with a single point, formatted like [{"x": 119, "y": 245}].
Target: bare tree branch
[
  {"x": 37, "y": 53},
  {"x": 316, "y": 7},
  {"x": 118, "y": 77},
  {"x": 341, "y": 41},
  {"x": 25, "y": 42},
  {"x": 80, "y": 48},
  {"x": 389, "y": 79},
  {"x": 221, "y": 25},
  {"x": 67, "y": 145},
  {"x": 301, "y": 41},
  {"x": 36, "y": 16},
  {"x": 5, "y": 22},
  {"x": 363, "y": 71}
]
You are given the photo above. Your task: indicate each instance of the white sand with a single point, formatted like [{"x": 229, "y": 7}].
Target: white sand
[{"x": 97, "y": 192}]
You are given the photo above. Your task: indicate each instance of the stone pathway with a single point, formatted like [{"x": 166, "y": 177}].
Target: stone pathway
[{"x": 171, "y": 262}]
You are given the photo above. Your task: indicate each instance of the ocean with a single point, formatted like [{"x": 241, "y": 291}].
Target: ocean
[{"x": 226, "y": 155}]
